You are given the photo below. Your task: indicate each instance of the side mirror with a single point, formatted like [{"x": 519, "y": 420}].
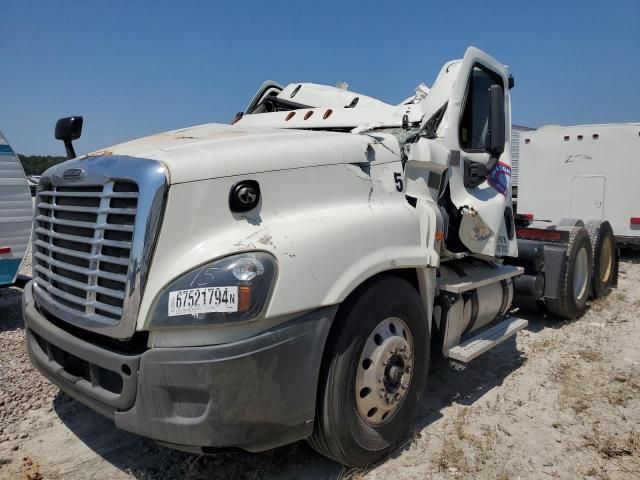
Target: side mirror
[
  {"x": 497, "y": 132},
  {"x": 67, "y": 130}
]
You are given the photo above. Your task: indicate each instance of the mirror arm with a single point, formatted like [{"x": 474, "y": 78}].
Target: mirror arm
[{"x": 71, "y": 153}]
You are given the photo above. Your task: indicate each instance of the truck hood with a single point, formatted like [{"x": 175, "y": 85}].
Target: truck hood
[{"x": 215, "y": 150}]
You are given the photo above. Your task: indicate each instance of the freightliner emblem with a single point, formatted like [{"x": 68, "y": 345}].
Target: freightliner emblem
[{"x": 73, "y": 173}]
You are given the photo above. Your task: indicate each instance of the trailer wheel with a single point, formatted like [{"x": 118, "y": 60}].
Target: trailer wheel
[
  {"x": 603, "y": 244},
  {"x": 575, "y": 281},
  {"x": 373, "y": 374}
]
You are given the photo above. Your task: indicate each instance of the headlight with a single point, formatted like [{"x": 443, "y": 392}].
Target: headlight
[{"x": 232, "y": 289}]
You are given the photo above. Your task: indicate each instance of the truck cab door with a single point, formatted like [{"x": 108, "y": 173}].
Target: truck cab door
[{"x": 478, "y": 137}]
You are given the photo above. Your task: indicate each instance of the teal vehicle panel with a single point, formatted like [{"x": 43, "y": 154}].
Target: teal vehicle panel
[{"x": 8, "y": 270}]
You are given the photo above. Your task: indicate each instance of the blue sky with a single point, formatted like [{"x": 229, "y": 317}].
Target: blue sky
[{"x": 133, "y": 68}]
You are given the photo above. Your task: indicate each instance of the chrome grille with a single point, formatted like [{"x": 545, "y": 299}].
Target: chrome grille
[{"x": 83, "y": 238}]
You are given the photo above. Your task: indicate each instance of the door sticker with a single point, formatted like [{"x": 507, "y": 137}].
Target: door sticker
[{"x": 500, "y": 178}]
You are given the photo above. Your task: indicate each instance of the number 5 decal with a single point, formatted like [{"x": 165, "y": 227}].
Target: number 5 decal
[{"x": 397, "y": 176}]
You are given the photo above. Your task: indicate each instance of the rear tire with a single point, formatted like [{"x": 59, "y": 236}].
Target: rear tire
[
  {"x": 361, "y": 414},
  {"x": 603, "y": 243},
  {"x": 575, "y": 281}
]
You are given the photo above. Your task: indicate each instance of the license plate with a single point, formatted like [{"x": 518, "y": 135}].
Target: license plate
[{"x": 203, "y": 300}]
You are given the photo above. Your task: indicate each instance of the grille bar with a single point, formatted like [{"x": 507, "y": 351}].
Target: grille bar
[
  {"x": 85, "y": 256},
  {"x": 54, "y": 193},
  {"x": 96, "y": 210},
  {"x": 88, "y": 240},
  {"x": 83, "y": 271},
  {"x": 75, "y": 223}
]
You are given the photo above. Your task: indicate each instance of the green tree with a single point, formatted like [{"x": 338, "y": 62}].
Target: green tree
[{"x": 37, "y": 164}]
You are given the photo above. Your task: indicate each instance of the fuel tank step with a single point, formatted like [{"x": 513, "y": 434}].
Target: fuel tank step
[
  {"x": 486, "y": 339},
  {"x": 477, "y": 278}
]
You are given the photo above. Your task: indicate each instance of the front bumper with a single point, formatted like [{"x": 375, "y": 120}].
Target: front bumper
[{"x": 254, "y": 394}]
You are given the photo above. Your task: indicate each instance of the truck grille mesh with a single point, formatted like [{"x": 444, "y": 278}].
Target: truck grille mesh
[{"x": 82, "y": 244}]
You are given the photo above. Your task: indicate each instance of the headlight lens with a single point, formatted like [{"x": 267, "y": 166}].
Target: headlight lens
[
  {"x": 232, "y": 289},
  {"x": 247, "y": 268}
]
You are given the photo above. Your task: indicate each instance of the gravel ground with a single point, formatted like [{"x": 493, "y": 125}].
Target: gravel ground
[
  {"x": 561, "y": 400},
  {"x": 21, "y": 388}
]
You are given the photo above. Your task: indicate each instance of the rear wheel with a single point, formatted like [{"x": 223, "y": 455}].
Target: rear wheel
[
  {"x": 575, "y": 280},
  {"x": 374, "y": 372},
  {"x": 603, "y": 243}
]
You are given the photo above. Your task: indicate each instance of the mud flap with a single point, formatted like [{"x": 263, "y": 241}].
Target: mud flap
[{"x": 555, "y": 258}]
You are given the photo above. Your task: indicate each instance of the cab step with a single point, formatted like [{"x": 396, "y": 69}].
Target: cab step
[{"x": 485, "y": 340}]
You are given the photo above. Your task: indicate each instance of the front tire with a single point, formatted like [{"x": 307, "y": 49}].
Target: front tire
[{"x": 374, "y": 372}]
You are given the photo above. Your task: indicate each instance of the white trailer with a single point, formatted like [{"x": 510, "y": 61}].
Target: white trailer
[
  {"x": 255, "y": 284},
  {"x": 583, "y": 172},
  {"x": 516, "y": 132},
  {"x": 16, "y": 214}
]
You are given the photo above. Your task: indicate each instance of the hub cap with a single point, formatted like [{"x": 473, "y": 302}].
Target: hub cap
[
  {"x": 384, "y": 372},
  {"x": 581, "y": 274}
]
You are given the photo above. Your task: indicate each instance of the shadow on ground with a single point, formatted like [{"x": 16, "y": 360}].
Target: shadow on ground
[
  {"x": 146, "y": 460},
  {"x": 630, "y": 255}
]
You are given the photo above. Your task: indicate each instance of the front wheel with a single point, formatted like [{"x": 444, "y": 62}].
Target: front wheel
[{"x": 374, "y": 372}]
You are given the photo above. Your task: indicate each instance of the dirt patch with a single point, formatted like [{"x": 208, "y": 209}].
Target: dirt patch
[{"x": 561, "y": 400}]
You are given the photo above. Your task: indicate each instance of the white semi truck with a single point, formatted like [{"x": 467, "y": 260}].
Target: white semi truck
[
  {"x": 281, "y": 278},
  {"x": 585, "y": 171}
]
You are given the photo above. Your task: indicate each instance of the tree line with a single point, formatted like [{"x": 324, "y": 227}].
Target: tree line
[{"x": 36, "y": 164}]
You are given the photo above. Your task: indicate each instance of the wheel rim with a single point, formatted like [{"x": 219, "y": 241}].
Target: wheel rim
[
  {"x": 606, "y": 261},
  {"x": 580, "y": 274},
  {"x": 384, "y": 371}
]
